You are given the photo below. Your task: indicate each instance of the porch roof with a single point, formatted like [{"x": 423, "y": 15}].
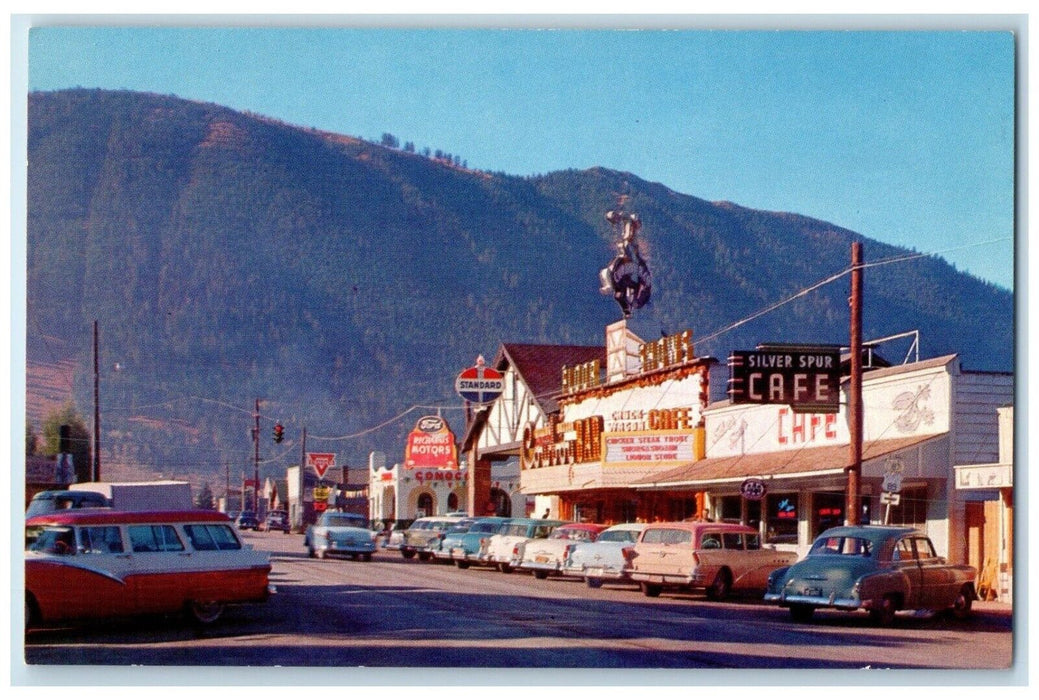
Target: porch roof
[{"x": 813, "y": 461}]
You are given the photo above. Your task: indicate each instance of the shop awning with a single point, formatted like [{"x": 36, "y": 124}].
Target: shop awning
[{"x": 814, "y": 461}]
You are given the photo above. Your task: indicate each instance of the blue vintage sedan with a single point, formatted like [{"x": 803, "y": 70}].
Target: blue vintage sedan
[
  {"x": 876, "y": 568},
  {"x": 340, "y": 533},
  {"x": 463, "y": 548}
]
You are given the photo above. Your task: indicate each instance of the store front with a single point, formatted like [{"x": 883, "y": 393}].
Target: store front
[{"x": 917, "y": 418}]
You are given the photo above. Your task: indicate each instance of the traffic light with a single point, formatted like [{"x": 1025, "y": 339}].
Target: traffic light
[{"x": 279, "y": 432}]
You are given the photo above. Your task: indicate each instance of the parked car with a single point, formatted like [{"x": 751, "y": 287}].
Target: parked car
[
  {"x": 394, "y": 536},
  {"x": 715, "y": 557},
  {"x": 441, "y": 547},
  {"x": 545, "y": 556},
  {"x": 504, "y": 549},
  {"x": 50, "y": 501},
  {"x": 424, "y": 533},
  {"x": 603, "y": 559},
  {"x": 247, "y": 520},
  {"x": 463, "y": 548},
  {"x": 340, "y": 533},
  {"x": 278, "y": 520},
  {"x": 876, "y": 568},
  {"x": 100, "y": 563}
]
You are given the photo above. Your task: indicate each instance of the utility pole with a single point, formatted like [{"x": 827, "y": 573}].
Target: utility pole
[
  {"x": 302, "y": 481},
  {"x": 256, "y": 458},
  {"x": 95, "y": 472},
  {"x": 855, "y": 412}
]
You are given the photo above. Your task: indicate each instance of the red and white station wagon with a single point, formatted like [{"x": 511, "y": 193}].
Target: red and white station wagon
[{"x": 97, "y": 563}]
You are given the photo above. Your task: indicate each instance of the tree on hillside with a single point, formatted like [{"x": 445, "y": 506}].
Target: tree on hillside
[
  {"x": 79, "y": 438},
  {"x": 31, "y": 440},
  {"x": 390, "y": 141},
  {"x": 205, "y": 500}
]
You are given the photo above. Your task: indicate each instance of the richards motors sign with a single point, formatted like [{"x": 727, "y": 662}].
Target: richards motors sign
[{"x": 808, "y": 379}]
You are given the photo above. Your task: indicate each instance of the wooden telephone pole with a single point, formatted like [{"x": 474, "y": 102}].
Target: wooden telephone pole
[{"x": 855, "y": 413}]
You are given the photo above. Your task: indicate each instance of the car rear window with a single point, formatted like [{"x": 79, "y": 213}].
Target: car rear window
[
  {"x": 155, "y": 538},
  {"x": 848, "y": 546},
  {"x": 210, "y": 537},
  {"x": 619, "y": 536},
  {"x": 664, "y": 535}
]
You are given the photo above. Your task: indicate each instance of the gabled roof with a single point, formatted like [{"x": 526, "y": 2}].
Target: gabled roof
[
  {"x": 541, "y": 369},
  {"x": 541, "y": 366}
]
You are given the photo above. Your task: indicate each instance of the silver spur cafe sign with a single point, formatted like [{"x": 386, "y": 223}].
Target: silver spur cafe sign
[{"x": 808, "y": 379}]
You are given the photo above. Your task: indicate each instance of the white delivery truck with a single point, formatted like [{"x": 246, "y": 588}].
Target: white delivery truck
[{"x": 142, "y": 495}]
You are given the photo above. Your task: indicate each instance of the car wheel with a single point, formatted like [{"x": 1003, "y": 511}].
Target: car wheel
[
  {"x": 462, "y": 564},
  {"x": 204, "y": 612},
  {"x": 541, "y": 574},
  {"x": 354, "y": 557},
  {"x": 593, "y": 582},
  {"x": 719, "y": 590},
  {"x": 505, "y": 568},
  {"x": 407, "y": 554},
  {"x": 801, "y": 613},
  {"x": 884, "y": 615},
  {"x": 424, "y": 556},
  {"x": 366, "y": 556},
  {"x": 961, "y": 608},
  {"x": 650, "y": 590},
  {"x": 32, "y": 612}
]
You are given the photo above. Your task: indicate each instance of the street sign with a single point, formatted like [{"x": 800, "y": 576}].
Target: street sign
[
  {"x": 480, "y": 384},
  {"x": 753, "y": 489},
  {"x": 890, "y": 499},
  {"x": 808, "y": 379},
  {"x": 892, "y": 482},
  {"x": 321, "y": 462}
]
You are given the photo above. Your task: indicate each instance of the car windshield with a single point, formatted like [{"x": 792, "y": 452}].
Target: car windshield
[
  {"x": 55, "y": 540},
  {"x": 846, "y": 546},
  {"x": 485, "y": 527},
  {"x": 343, "y": 520},
  {"x": 618, "y": 536},
  {"x": 578, "y": 534}
]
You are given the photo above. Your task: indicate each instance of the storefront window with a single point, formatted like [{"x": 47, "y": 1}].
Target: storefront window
[
  {"x": 730, "y": 509},
  {"x": 827, "y": 511},
  {"x": 782, "y": 518},
  {"x": 911, "y": 509}
]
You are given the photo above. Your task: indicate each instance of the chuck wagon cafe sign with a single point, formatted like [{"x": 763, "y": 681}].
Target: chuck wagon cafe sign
[
  {"x": 808, "y": 379},
  {"x": 431, "y": 445}
]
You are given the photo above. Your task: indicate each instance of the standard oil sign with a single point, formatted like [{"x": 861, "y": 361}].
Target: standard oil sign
[{"x": 806, "y": 379}]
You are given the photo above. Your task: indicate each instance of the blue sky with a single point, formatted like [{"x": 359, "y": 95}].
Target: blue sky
[{"x": 904, "y": 136}]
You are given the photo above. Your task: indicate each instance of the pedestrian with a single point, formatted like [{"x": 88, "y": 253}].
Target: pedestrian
[{"x": 545, "y": 515}]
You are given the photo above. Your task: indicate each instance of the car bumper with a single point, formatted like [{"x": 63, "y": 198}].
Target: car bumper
[
  {"x": 539, "y": 566},
  {"x": 345, "y": 548},
  {"x": 832, "y": 600},
  {"x": 689, "y": 580},
  {"x": 599, "y": 572}
]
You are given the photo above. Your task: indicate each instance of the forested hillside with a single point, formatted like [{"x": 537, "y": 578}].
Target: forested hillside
[{"x": 229, "y": 257}]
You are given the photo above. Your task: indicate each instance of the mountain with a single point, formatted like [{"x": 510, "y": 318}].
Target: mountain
[{"x": 228, "y": 257}]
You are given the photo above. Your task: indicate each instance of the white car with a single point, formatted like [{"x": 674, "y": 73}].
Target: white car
[
  {"x": 340, "y": 533},
  {"x": 546, "y": 556},
  {"x": 504, "y": 550},
  {"x": 603, "y": 559}
]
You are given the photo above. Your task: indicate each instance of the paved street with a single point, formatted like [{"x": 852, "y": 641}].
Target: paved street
[{"x": 406, "y": 614}]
